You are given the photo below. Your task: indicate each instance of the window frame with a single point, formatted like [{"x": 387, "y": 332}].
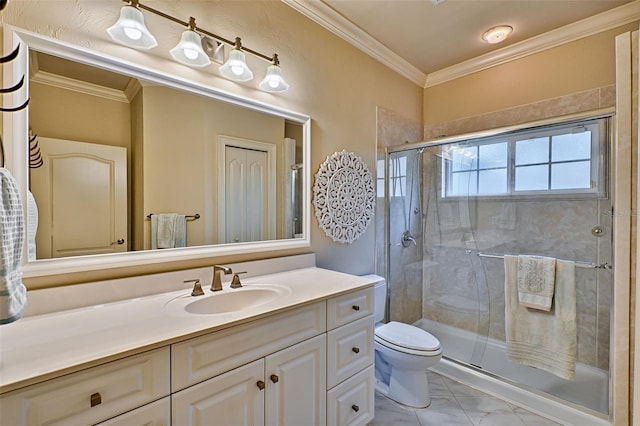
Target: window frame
[{"x": 600, "y": 141}]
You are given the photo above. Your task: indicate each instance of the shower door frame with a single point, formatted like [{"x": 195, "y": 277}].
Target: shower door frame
[{"x": 620, "y": 171}]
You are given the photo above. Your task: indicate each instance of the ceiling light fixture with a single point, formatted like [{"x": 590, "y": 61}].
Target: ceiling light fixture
[
  {"x": 273, "y": 81},
  {"x": 195, "y": 47},
  {"x": 497, "y": 34},
  {"x": 236, "y": 66},
  {"x": 130, "y": 28},
  {"x": 189, "y": 51}
]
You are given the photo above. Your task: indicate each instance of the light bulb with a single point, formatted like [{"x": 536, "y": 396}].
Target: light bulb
[
  {"x": 190, "y": 53},
  {"x": 273, "y": 83},
  {"x": 133, "y": 33},
  {"x": 237, "y": 69}
]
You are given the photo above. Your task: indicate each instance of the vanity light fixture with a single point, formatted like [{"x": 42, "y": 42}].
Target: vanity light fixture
[
  {"x": 189, "y": 51},
  {"x": 130, "y": 28},
  {"x": 194, "y": 49},
  {"x": 236, "y": 66},
  {"x": 273, "y": 81},
  {"x": 497, "y": 34}
]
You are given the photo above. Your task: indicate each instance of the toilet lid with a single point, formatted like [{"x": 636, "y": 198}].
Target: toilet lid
[{"x": 407, "y": 336}]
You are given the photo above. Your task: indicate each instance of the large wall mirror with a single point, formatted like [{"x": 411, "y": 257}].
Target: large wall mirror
[{"x": 127, "y": 164}]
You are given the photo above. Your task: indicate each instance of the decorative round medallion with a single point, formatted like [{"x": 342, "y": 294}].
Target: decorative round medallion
[{"x": 344, "y": 196}]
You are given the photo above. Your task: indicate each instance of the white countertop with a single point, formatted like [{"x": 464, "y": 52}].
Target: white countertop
[{"x": 45, "y": 346}]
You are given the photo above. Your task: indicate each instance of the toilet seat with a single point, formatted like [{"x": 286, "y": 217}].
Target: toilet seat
[{"x": 407, "y": 338}]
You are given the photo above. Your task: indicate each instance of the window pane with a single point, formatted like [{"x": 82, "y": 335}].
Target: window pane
[
  {"x": 493, "y": 155},
  {"x": 572, "y": 146},
  {"x": 464, "y": 158},
  {"x": 532, "y": 178},
  {"x": 571, "y": 175},
  {"x": 492, "y": 181},
  {"x": 398, "y": 187},
  {"x": 380, "y": 188},
  {"x": 532, "y": 151},
  {"x": 464, "y": 183}
]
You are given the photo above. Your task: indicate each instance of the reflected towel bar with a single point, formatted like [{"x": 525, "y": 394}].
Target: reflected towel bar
[
  {"x": 578, "y": 263},
  {"x": 189, "y": 217}
]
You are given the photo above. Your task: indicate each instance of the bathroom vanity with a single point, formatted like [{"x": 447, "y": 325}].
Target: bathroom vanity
[{"x": 290, "y": 347}]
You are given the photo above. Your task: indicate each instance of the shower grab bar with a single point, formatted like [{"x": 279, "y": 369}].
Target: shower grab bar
[{"x": 578, "y": 263}]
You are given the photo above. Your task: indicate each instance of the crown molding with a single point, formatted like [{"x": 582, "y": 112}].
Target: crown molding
[
  {"x": 78, "y": 86},
  {"x": 604, "y": 21},
  {"x": 322, "y": 14},
  {"x": 328, "y": 18}
]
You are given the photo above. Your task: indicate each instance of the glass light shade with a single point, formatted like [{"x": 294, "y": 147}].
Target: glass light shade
[
  {"x": 236, "y": 67},
  {"x": 189, "y": 51},
  {"x": 273, "y": 81},
  {"x": 131, "y": 31},
  {"x": 497, "y": 34}
]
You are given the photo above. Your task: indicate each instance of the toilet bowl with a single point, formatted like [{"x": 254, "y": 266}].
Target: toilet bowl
[{"x": 403, "y": 353}]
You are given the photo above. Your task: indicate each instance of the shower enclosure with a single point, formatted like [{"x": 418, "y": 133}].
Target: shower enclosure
[{"x": 456, "y": 206}]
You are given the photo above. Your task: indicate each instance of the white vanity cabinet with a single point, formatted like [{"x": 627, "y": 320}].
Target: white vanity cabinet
[
  {"x": 350, "y": 356},
  {"x": 285, "y": 388},
  {"x": 308, "y": 364},
  {"x": 92, "y": 395}
]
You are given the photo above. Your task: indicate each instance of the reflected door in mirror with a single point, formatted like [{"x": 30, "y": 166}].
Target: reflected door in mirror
[{"x": 81, "y": 194}]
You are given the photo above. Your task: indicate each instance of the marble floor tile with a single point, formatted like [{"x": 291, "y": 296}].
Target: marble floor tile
[
  {"x": 455, "y": 404},
  {"x": 444, "y": 410}
]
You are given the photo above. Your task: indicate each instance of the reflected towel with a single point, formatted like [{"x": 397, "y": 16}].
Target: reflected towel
[
  {"x": 13, "y": 293},
  {"x": 545, "y": 340},
  {"x": 536, "y": 281},
  {"x": 168, "y": 230}
]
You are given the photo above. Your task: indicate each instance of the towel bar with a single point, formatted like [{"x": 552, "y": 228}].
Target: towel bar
[
  {"x": 578, "y": 263},
  {"x": 189, "y": 217}
]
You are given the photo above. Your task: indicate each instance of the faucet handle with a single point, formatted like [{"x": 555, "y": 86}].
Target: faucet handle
[
  {"x": 235, "y": 281},
  {"x": 197, "y": 287}
]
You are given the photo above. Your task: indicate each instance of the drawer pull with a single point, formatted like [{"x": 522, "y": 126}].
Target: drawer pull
[
  {"x": 356, "y": 307},
  {"x": 355, "y": 408},
  {"x": 260, "y": 384},
  {"x": 274, "y": 378},
  {"x": 355, "y": 349},
  {"x": 96, "y": 399}
]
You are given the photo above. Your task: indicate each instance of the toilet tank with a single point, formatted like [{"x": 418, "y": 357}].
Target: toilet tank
[{"x": 379, "y": 296}]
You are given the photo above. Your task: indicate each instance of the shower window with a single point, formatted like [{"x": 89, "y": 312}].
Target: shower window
[
  {"x": 560, "y": 159},
  {"x": 397, "y": 177}
]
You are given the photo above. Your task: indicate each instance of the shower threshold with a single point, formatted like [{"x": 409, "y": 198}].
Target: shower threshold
[{"x": 584, "y": 400}]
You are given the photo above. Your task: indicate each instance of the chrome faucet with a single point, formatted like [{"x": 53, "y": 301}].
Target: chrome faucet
[{"x": 218, "y": 270}]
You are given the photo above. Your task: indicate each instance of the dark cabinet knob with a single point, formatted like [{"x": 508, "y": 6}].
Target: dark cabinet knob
[
  {"x": 96, "y": 399},
  {"x": 260, "y": 384},
  {"x": 355, "y": 349},
  {"x": 356, "y": 307},
  {"x": 274, "y": 378},
  {"x": 355, "y": 408}
]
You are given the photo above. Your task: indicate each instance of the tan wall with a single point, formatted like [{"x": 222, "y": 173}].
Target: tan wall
[
  {"x": 64, "y": 114},
  {"x": 575, "y": 67},
  {"x": 180, "y": 158},
  {"x": 337, "y": 85}
]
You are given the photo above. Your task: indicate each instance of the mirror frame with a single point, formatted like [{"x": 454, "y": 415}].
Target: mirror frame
[{"x": 15, "y": 128}]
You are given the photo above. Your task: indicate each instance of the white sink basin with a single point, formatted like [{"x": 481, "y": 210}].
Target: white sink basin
[{"x": 227, "y": 301}]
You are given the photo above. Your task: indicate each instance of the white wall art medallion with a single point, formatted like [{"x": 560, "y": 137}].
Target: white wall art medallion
[{"x": 344, "y": 196}]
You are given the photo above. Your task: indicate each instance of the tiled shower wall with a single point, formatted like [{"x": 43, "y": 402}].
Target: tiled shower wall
[{"x": 436, "y": 278}]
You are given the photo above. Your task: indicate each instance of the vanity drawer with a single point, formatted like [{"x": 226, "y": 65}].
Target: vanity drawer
[
  {"x": 155, "y": 414},
  {"x": 352, "y": 401},
  {"x": 92, "y": 395},
  {"x": 201, "y": 358},
  {"x": 349, "y": 307},
  {"x": 349, "y": 350}
]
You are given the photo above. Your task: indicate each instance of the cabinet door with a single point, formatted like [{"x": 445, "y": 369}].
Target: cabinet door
[
  {"x": 234, "y": 398},
  {"x": 297, "y": 385}
]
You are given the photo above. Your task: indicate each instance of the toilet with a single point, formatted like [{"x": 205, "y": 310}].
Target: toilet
[{"x": 403, "y": 353}]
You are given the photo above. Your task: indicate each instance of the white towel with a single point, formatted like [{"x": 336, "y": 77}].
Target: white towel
[
  {"x": 536, "y": 281},
  {"x": 13, "y": 293},
  {"x": 545, "y": 340},
  {"x": 168, "y": 230}
]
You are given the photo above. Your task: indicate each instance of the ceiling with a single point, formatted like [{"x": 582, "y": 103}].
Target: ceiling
[{"x": 432, "y": 35}]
